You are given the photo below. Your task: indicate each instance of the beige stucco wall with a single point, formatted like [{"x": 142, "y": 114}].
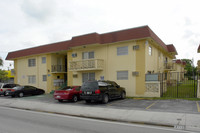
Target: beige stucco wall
[
  {"x": 112, "y": 64},
  {"x": 198, "y": 89},
  {"x": 23, "y": 71},
  {"x": 155, "y": 62}
]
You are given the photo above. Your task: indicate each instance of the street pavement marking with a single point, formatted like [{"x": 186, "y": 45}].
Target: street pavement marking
[
  {"x": 151, "y": 105},
  {"x": 198, "y": 108},
  {"x": 115, "y": 102}
]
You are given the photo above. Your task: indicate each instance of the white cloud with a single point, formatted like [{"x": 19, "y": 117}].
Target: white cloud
[{"x": 28, "y": 23}]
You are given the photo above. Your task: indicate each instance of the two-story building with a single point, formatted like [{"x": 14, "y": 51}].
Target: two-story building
[{"x": 123, "y": 56}]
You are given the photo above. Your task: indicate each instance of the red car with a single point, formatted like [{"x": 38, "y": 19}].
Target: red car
[{"x": 68, "y": 93}]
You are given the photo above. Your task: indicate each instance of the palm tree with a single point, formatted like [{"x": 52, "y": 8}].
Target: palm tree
[{"x": 1, "y": 62}]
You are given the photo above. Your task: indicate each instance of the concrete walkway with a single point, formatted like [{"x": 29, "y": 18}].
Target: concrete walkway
[{"x": 182, "y": 121}]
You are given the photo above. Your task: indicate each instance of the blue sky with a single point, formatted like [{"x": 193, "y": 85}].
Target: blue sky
[{"x": 29, "y": 23}]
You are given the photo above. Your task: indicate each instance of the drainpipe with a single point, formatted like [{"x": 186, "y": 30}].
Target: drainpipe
[{"x": 37, "y": 76}]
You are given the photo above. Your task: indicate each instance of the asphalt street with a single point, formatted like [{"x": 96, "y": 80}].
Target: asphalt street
[
  {"x": 173, "y": 105},
  {"x": 21, "y": 121}
]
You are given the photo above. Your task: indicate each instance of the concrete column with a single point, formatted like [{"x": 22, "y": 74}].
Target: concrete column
[{"x": 198, "y": 89}]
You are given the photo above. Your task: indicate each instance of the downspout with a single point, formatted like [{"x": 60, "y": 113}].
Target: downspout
[{"x": 37, "y": 72}]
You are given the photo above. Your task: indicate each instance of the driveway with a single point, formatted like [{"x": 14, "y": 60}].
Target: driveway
[{"x": 174, "y": 106}]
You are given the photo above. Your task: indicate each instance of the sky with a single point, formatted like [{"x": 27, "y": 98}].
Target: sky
[{"x": 29, "y": 23}]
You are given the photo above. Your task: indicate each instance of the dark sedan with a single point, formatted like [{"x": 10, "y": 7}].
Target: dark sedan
[{"x": 21, "y": 91}]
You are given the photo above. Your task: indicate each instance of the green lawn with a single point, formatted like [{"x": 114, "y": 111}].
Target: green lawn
[{"x": 182, "y": 90}]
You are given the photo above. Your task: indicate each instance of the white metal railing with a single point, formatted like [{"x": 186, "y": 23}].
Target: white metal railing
[
  {"x": 90, "y": 64},
  {"x": 169, "y": 65}
]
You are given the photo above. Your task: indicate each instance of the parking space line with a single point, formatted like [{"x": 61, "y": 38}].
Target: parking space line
[
  {"x": 198, "y": 108},
  {"x": 151, "y": 105},
  {"x": 115, "y": 102}
]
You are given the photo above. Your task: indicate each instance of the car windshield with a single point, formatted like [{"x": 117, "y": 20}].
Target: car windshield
[
  {"x": 90, "y": 85},
  {"x": 18, "y": 88}
]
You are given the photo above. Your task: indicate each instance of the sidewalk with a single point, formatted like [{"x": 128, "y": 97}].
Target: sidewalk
[{"x": 183, "y": 120}]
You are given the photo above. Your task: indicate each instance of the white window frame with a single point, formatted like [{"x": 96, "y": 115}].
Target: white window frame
[
  {"x": 44, "y": 78},
  {"x": 88, "y": 76},
  {"x": 44, "y": 60},
  {"x": 150, "y": 50},
  {"x": 122, "y": 50},
  {"x": 31, "y": 79},
  {"x": 87, "y": 55},
  {"x": 32, "y": 62},
  {"x": 122, "y": 75}
]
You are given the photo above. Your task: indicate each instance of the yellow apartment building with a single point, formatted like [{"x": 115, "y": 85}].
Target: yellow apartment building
[{"x": 124, "y": 56}]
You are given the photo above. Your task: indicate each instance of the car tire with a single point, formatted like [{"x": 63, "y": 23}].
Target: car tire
[
  {"x": 21, "y": 94},
  {"x": 123, "y": 95},
  {"x": 60, "y": 100},
  {"x": 75, "y": 98},
  {"x": 88, "y": 101},
  {"x": 105, "y": 99}
]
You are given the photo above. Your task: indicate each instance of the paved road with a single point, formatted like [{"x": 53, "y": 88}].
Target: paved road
[
  {"x": 174, "y": 105},
  {"x": 20, "y": 121}
]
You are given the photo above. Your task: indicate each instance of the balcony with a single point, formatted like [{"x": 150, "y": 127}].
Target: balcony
[
  {"x": 169, "y": 66},
  {"x": 58, "y": 69},
  {"x": 86, "y": 65}
]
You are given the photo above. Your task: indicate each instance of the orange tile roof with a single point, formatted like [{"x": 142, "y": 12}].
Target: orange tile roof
[
  {"x": 93, "y": 38},
  {"x": 179, "y": 61},
  {"x": 171, "y": 48}
]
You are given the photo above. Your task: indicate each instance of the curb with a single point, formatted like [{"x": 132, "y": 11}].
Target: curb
[{"x": 186, "y": 121}]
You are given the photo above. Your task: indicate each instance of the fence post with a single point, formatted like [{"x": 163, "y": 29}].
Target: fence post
[{"x": 177, "y": 83}]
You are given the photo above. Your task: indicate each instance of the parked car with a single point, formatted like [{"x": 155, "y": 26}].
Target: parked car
[
  {"x": 6, "y": 86},
  {"x": 21, "y": 91},
  {"x": 101, "y": 91},
  {"x": 68, "y": 93}
]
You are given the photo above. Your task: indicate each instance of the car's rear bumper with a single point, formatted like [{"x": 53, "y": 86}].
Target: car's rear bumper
[
  {"x": 9, "y": 93},
  {"x": 62, "y": 97},
  {"x": 92, "y": 97}
]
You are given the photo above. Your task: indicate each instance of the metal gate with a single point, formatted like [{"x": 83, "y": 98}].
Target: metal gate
[{"x": 178, "y": 85}]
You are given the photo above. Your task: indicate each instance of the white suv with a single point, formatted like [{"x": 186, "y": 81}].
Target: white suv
[{"x": 5, "y": 86}]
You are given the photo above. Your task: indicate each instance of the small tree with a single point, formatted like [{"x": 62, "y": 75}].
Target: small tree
[
  {"x": 190, "y": 69},
  {"x": 1, "y": 62},
  {"x": 3, "y": 74}
]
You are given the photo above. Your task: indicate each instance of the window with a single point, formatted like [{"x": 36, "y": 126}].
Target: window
[
  {"x": 44, "y": 77},
  {"x": 88, "y": 55},
  {"x": 88, "y": 77},
  {"x": 31, "y": 62},
  {"x": 150, "y": 50},
  {"x": 122, "y": 75},
  {"x": 32, "y": 79},
  {"x": 43, "y": 60},
  {"x": 122, "y": 51}
]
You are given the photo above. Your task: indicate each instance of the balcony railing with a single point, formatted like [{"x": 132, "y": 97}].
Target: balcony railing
[
  {"x": 58, "y": 69},
  {"x": 84, "y": 65},
  {"x": 169, "y": 66}
]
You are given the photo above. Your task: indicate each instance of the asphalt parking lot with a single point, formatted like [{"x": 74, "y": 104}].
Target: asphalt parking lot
[{"x": 175, "y": 105}]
